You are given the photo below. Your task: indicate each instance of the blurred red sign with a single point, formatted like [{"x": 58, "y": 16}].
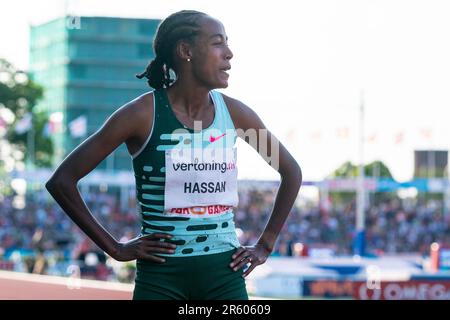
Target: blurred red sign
[
  {"x": 403, "y": 290},
  {"x": 6, "y": 265}
]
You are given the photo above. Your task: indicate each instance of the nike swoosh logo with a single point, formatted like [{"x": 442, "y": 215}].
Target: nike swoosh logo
[{"x": 212, "y": 139}]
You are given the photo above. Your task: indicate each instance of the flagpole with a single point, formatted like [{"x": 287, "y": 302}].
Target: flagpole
[
  {"x": 431, "y": 163},
  {"x": 359, "y": 248},
  {"x": 447, "y": 193},
  {"x": 31, "y": 145}
]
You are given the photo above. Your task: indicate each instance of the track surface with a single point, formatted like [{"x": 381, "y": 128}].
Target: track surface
[{"x": 24, "y": 286}]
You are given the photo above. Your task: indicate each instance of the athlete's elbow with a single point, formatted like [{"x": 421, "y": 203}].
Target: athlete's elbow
[
  {"x": 56, "y": 183},
  {"x": 52, "y": 185}
]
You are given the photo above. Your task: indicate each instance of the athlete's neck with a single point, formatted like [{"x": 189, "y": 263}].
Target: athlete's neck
[{"x": 190, "y": 100}]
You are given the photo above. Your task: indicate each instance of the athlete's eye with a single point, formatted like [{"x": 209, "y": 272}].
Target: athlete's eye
[{"x": 221, "y": 43}]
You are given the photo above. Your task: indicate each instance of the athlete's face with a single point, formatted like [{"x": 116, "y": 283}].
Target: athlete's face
[{"x": 211, "y": 55}]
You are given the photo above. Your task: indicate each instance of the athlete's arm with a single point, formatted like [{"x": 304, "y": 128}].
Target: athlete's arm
[
  {"x": 122, "y": 126},
  {"x": 249, "y": 125}
]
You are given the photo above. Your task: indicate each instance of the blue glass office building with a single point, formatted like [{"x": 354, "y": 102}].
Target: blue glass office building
[{"x": 87, "y": 66}]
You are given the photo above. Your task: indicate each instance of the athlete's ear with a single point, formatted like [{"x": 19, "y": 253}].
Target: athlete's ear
[{"x": 184, "y": 51}]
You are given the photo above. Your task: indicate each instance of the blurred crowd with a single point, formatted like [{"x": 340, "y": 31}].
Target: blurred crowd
[
  {"x": 393, "y": 226},
  {"x": 40, "y": 238}
]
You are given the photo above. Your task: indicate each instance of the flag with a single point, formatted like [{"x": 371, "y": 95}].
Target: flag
[
  {"x": 292, "y": 135},
  {"x": 54, "y": 124},
  {"x": 2, "y": 126},
  {"x": 342, "y": 132},
  {"x": 316, "y": 136},
  {"x": 372, "y": 137},
  {"x": 2, "y": 122},
  {"x": 78, "y": 127},
  {"x": 426, "y": 133},
  {"x": 24, "y": 124},
  {"x": 399, "y": 137}
]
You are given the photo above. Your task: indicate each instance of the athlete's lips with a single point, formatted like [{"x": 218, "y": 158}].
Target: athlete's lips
[{"x": 224, "y": 70}]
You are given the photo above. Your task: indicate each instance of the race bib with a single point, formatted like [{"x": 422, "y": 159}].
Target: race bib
[{"x": 200, "y": 178}]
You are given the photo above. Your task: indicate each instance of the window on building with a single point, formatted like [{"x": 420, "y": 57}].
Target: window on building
[{"x": 77, "y": 71}]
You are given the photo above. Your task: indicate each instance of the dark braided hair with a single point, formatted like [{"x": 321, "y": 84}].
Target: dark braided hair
[{"x": 181, "y": 25}]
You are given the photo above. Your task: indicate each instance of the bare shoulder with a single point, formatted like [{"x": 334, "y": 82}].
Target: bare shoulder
[
  {"x": 134, "y": 115},
  {"x": 129, "y": 124},
  {"x": 242, "y": 115},
  {"x": 137, "y": 116},
  {"x": 139, "y": 107}
]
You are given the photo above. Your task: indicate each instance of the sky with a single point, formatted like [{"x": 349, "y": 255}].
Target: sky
[{"x": 306, "y": 67}]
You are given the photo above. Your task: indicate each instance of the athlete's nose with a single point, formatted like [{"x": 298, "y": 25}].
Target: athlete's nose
[{"x": 229, "y": 54}]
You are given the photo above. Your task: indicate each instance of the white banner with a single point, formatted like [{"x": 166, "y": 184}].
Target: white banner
[{"x": 200, "y": 177}]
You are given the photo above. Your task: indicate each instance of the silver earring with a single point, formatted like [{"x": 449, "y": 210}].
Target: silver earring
[{"x": 188, "y": 60}]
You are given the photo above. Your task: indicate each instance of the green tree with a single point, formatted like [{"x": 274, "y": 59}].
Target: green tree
[
  {"x": 19, "y": 94},
  {"x": 373, "y": 169},
  {"x": 348, "y": 170}
]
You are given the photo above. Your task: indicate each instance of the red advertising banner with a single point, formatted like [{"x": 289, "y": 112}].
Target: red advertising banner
[
  {"x": 402, "y": 290},
  {"x": 6, "y": 265}
]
